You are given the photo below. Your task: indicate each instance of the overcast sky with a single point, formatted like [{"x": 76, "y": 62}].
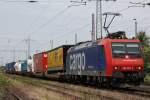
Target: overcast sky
[{"x": 54, "y": 20}]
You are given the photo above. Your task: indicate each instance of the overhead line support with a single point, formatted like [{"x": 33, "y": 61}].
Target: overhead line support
[{"x": 99, "y": 19}]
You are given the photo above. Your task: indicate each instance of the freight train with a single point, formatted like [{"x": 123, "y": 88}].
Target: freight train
[{"x": 104, "y": 61}]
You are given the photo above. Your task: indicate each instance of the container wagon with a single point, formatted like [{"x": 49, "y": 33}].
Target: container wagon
[
  {"x": 56, "y": 61},
  {"x": 30, "y": 65},
  {"x": 9, "y": 67},
  {"x": 21, "y": 67},
  {"x": 17, "y": 67},
  {"x": 40, "y": 63},
  {"x": 24, "y": 66}
]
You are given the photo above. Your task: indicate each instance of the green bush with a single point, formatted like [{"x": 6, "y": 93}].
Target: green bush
[
  {"x": 147, "y": 58},
  {"x": 4, "y": 81},
  {"x": 147, "y": 79}
]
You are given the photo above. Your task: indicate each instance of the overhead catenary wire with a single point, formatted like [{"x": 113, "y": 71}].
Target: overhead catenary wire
[
  {"x": 124, "y": 9},
  {"x": 63, "y": 35},
  {"x": 50, "y": 20},
  {"x": 46, "y": 42},
  {"x": 35, "y": 20},
  {"x": 72, "y": 31},
  {"x": 31, "y": 1},
  {"x": 138, "y": 2},
  {"x": 41, "y": 26}
]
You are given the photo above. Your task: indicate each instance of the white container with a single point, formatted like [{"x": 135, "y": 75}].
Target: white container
[
  {"x": 17, "y": 66},
  {"x": 30, "y": 67}
]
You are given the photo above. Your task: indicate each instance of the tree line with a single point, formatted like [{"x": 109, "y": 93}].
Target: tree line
[{"x": 145, "y": 42}]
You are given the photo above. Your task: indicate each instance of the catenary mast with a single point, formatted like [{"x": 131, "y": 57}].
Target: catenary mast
[{"x": 99, "y": 19}]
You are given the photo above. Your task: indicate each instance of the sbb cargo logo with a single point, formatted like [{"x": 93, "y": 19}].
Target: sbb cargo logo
[{"x": 77, "y": 62}]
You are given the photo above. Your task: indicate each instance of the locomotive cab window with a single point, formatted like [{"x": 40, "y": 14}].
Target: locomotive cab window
[
  {"x": 133, "y": 48},
  {"x": 120, "y": 50}
]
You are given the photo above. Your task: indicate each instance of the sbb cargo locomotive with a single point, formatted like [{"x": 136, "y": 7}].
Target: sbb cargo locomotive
[
  {"x": 111, "y": 61},
  {"x": 105, "y": 61}
]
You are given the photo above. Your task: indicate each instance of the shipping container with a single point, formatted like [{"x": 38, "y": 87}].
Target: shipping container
[
  {"x": 24, "y": 66},
  {"x": 56, "y": 58},
  {"x": 18, "y": 66},
  {"x": 9, "y": 67},
  {"x": 40, "y": 62},
  {"x": 86, "y": 59},
  {"x": 30, "y": 65},
  {"x": 21, "y": 66}
]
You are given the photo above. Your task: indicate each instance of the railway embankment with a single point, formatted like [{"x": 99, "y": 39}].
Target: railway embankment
[
  {"x": 15, "y": 87},
  {"x": 4, "y": 83},
  {"x": 10, "y": 88},
  {"x": 25, "y": 88}
]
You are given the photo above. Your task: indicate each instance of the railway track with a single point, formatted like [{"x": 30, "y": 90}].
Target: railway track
[
  {"x": 73, "y": 93},
  {"x": 139, "y": 91},
  {"x": 134, "y": 91},
  {"x": 131, "y": 91},
  {"x": 79, "y": 92},
  {"x": 16, "y": 96},
  {"x": 13, "y": 95}
]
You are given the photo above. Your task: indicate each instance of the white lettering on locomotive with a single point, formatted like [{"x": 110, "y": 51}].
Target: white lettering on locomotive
[{"x": 77, "y": 62}]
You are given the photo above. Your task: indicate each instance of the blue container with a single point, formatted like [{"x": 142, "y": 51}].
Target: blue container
[
  {"x": 9, "y": 67},
  {"x": 86, "y": 59},
  {"x": 24, "y": 66}
]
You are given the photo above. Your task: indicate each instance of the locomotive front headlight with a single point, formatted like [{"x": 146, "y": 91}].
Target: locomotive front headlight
[
  {"x": 116, "y": 67},
  {"x": 139, "y": 68}
]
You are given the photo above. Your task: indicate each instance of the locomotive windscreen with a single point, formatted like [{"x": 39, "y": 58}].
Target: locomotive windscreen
[{"x": 122, "y": 50}]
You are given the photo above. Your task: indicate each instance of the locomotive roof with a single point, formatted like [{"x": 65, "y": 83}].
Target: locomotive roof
[
  {"x": 121, "y": 40},
  {"x": 83, "y": 45},
  {"x": 90, "y": 43},
  {"x": 99, "y": 42}
]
